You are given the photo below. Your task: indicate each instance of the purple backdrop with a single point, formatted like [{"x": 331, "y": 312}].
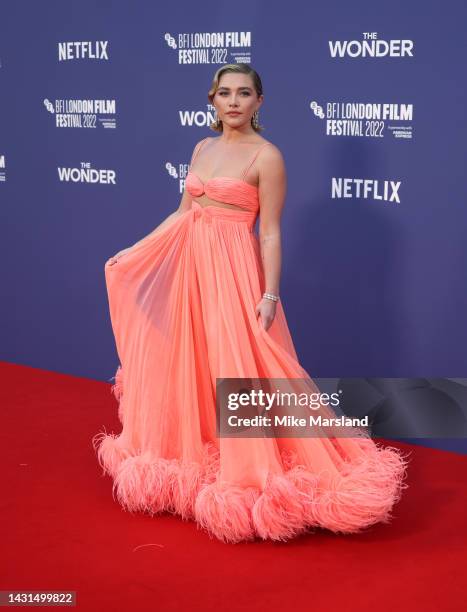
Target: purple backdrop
[{"x": 371, "y": 287}]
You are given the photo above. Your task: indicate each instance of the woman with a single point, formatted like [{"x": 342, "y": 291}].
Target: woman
[{"x": 197, "y": 300}]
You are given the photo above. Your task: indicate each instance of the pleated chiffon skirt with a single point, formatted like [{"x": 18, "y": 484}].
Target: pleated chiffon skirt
[{"x": 182, "y": 307}]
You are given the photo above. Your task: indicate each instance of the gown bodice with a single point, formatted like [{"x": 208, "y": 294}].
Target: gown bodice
[{"x": 225, "y": 189}]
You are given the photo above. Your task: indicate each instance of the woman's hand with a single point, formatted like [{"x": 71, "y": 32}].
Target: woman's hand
[
  {"x": 162, "y": 226},
  {"x": 113, "y": 260},
  {"x": 267, "y": 309}
]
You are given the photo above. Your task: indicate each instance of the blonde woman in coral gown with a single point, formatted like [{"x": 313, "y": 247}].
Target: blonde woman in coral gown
[{"x": 187, "y": 306}]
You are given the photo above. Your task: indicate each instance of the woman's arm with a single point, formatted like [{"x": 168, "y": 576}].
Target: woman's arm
[
  {"x": 272, "y": 191},
  {"x": 167, "y": 221},
  {"x": 184, "y": 206}
]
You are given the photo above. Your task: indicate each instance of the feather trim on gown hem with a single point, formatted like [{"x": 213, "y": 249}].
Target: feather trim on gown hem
[{"x": 294, "y": 502}]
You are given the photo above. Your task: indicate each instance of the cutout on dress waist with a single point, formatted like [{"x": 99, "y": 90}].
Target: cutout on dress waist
[{"x": 225, "y": 206}]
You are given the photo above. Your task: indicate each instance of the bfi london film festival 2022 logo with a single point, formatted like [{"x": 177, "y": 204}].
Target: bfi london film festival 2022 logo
[
  {"x": 84, "y": 113},
  {"x": 365, "y": 119},
  {"x": 201, "y": 48},
  {"x": 208, "y": 48}
]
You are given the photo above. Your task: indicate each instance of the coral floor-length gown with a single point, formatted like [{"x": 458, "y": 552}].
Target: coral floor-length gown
[{"x": 182, "y": 306}]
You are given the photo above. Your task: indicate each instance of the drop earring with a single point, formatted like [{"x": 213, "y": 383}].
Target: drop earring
[
  {"x": 254, "y": 120},
  {"x": 217, "y": 122}
]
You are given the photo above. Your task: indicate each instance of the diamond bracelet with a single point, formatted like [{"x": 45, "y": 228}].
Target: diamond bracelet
[{"x": 270, "y": 296}]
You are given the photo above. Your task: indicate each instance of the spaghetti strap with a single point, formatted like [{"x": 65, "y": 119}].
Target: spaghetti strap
[
  {"x": 253, "y": 159},
  {"x": 197, "y": 150}
]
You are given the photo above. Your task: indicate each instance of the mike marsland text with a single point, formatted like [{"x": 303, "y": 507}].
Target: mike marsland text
[{"x": 293, "y": 421}]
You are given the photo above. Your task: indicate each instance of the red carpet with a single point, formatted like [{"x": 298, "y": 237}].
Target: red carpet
[{"x": 61, "y": 529}]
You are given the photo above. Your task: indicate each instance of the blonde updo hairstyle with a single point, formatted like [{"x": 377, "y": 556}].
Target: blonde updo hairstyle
[{"x": 242, "y": 69}]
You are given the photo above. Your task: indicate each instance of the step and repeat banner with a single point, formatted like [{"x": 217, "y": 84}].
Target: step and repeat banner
[{"x": 103, "y": 102}]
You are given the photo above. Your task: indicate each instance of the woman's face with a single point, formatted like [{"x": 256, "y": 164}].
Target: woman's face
[{"x": 236, "y": 92}]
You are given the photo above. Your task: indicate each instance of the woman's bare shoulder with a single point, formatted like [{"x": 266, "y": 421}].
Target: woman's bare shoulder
[
  {"x": 271, "y": 153},
  {"x": 258, "y": 141},
  {"x": 206, "y": 140},
  {"x": 199, "y": 145}
]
